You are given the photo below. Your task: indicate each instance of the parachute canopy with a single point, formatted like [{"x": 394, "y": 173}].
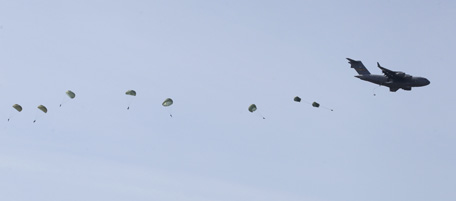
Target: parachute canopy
[
  {"x": 131, "y": 92},
  {"x": 71, "y": 94},
  {"x": 315, "y": 104},
  {"x": 252, "y": 108},
  {"x": 167, "y": 102},
  {"x": 42, "y": 108},
  {"x": 17, "y": 107},
  {"x": 297, "y": 99}
]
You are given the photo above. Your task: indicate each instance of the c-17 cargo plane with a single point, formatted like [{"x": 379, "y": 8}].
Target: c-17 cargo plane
[{"x": 395, "y": 80}]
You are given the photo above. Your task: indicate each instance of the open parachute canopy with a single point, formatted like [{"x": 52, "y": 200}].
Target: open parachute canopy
[
  {"x": 42, "y": 108},
  {"x": 131, "y": 92},
  {"x": 252, "y": 108},
  {"x": 167, "y": 102},
  {"x": 17, "y": 107},
  {"x": 297, "y": 99},
  {"x": 70, "y": 94}
]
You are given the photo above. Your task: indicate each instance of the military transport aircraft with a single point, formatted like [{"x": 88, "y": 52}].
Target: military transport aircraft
[{"x": 393, "y": 79}]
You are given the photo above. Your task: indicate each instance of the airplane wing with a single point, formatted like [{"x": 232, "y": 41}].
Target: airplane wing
[
  {"x": 395, "y": 75},
  {"x": 358, "y": 66}
]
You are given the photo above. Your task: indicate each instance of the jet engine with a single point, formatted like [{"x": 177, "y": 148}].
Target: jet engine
[
  {"x": 407, "y": 88},
  {"x": 400, "y": 74},
  {"x": 403, "y": 75}
]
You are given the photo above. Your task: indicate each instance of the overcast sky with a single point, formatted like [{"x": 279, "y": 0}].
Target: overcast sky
[{"x": 215, "y": 58}]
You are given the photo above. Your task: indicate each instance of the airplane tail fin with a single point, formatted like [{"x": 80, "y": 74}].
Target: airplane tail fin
[{"x": 358, "y": 66}]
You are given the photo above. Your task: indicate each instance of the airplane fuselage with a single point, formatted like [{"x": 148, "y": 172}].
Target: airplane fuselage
[{"x": 406, "y": 83}]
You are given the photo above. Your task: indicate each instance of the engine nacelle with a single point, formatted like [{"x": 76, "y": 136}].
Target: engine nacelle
[
  {"x": 400, "y": 74},
  {"x": 407, "y": 88}
]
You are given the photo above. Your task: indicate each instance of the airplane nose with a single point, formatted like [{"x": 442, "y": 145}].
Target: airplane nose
[{"x": 426, "y": 82}]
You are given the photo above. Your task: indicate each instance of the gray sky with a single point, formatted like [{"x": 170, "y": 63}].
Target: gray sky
[{"x": 215, "y": 58}]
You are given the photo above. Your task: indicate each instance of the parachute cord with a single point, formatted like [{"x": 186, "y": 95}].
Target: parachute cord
[
  {"x": 63, "y": 101},
  {"x": 11, "y": 116},
  {"x": 37, "y": 116},
  {"x": 327, "y": 108},
  {"x": 170, "y": 111},
  {"x": 373, "y": 91},
  {"x": 261, "y": 115},
  {"x": 308, "y": 102},
  {"x": 129, "y": 102}
]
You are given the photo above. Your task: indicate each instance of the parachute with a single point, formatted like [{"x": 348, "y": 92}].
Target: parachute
[
  {"x": 167, "y": 102},
  {"x": 314, "y": 104},
  {"x": 17, "y": 107},
  {"x": 252, "y": 108},
  {"x": 43, "y": 108},
  {"x": 71, "y": 94},
  {"x": 130, "y": 93},
  {"x": 297, "y": 99}
]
